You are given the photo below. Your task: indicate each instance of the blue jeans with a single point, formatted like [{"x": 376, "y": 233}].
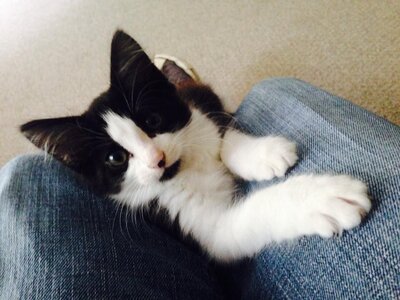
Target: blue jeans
[{"x": 58, "y": 240}]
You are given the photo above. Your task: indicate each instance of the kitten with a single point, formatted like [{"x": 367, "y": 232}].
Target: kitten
[{"x": 145, "y": 138}]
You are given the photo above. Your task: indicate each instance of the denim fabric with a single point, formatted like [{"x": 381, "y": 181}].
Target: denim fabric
[
  {"x": 333, "y": 136},
  {"x": 58, "y": 240}
]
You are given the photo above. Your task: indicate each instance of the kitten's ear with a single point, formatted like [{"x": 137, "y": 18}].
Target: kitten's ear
[
  {"x": 60, "y": 137},
  {"x": 129, "y": 63}
]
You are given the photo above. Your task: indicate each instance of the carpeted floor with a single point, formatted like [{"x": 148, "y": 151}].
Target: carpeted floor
[{"x": 54, "y": 55}]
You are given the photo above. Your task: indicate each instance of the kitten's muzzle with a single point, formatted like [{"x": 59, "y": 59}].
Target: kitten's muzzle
[{"x": 156, "y": 159}]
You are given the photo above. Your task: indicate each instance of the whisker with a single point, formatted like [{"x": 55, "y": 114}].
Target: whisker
[
  {"x": 121, "y": 90},
  {"x": 133, "y": 86},
  {"x": 134, "y": 56}
]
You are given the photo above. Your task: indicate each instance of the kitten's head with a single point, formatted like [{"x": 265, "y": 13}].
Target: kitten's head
[{"x": 129, "y": 136}]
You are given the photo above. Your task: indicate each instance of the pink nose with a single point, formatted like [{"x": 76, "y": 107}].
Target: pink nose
[{"x": 157, "y": 160}]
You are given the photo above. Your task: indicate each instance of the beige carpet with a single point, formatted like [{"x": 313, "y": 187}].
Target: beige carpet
[{"x": 54, "y": 55}]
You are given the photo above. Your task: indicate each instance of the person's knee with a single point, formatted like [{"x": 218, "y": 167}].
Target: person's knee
[
  {"x": 276, "y": 88},
  {"x": 278, "y": 100},
  {"x": 26, "y": 173},
  {"x": 280, "y": 83},
  {"x": 25, "y": 164},
  {"x": 270, "y": 94}
]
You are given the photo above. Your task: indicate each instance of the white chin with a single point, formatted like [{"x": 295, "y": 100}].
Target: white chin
[{"x": 150, "y": 178}]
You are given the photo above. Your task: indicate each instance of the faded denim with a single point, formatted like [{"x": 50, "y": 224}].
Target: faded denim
[{"x": 59, "y": 241}]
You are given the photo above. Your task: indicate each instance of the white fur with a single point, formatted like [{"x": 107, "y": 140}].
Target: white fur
[
  {"x": 146, "y": 155},
  {"x": 126, "y": 133},
  {"x": 302, "y": 205},
  {"x": 201, "y": 193},
  {"x": 257, "y": 158}
]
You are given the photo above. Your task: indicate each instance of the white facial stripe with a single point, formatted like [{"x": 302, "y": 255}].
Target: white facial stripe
[{"x": 126, "y": 133}]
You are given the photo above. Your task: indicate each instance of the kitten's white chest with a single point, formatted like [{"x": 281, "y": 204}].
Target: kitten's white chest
[
  {"x": 203, "y": 179},
  {"x": 197, "y": 195},
  {"x": 202, "y": 144}
]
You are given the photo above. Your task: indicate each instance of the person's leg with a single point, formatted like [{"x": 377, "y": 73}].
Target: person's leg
[
  {"x": 333, "y": 136},
  {"x": 59, "y": 241}
]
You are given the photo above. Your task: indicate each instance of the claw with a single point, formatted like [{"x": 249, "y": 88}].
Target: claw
[
  {"x": 362, "y": 212},
  {"x": 337, "y": 230}
]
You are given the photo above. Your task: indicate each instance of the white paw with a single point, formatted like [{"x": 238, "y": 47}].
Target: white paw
[
  {"x": 271, "y": 157},
  {"x": 257, "y": 158},
  {"x": 333, "y": 204}
]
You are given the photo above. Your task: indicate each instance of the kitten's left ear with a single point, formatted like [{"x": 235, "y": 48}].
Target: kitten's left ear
[
  {"x": 129, "y": 63},
  {"x": 61, "y": 137}
]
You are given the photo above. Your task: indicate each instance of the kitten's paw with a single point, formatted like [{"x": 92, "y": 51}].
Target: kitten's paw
[
  {"x": 336, "y": 203},
  {"x": 257, "y": 158},
  {"x": 272, "y": 157}
]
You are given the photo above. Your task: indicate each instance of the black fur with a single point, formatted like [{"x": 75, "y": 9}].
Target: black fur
[
  {"x": 137, "y": 90},
  {"x": 203, "y": 98}
]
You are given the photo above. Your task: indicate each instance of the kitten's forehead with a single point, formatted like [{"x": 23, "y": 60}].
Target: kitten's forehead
[{"x": 126, "y": 133}]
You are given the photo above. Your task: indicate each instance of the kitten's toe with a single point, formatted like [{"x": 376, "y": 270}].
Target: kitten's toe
[
  {"x": 275, "y": 156},
  {"x": 339, "y": 203}
]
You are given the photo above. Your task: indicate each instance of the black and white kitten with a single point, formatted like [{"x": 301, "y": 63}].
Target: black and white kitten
[{"x": 146, "y": 138}]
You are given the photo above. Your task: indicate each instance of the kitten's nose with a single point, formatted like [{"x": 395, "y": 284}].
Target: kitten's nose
[
  {"x": 161, "y": 163},
  {"x": 158, "y": 160}
]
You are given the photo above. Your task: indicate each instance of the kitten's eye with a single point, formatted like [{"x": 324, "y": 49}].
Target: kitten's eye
[
  {"x": 117, "y": 158},
  {"x": 153, "y": 121}
]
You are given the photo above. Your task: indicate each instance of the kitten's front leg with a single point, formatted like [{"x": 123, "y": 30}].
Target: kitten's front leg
[
  {"x": 303, "y": 205},
  {"x": 257, "y": 158}
]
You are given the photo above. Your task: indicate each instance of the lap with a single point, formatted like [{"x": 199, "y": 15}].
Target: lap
[
  {"x": 58, "y": 240},
  {"x": 333, "y": 136}
]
